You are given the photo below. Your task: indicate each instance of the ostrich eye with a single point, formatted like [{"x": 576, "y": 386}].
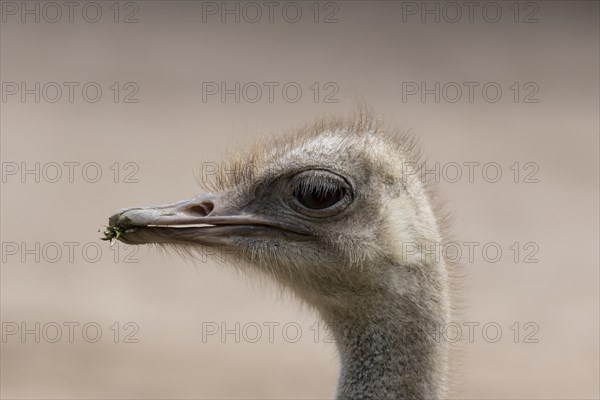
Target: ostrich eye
[
  {"x": 318, "y": 197},
  {"x": 319, "y": 193}
]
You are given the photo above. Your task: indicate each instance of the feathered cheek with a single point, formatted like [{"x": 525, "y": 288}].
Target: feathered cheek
[{"x": 399, "y": 237}]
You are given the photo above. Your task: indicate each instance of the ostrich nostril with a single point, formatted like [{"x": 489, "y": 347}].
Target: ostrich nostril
[{"x": 201, "y": 209}]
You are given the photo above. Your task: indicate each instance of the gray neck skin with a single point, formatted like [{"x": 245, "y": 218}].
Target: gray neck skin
[{"x": 389, "y": 349}]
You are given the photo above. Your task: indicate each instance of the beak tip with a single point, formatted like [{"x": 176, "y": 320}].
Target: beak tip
[
  {"x": 112, "y": 221},
  {"x": 120, "y": 219}
]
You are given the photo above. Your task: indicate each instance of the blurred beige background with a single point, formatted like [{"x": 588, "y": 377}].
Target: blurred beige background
[{"x": 162, "y": 61}]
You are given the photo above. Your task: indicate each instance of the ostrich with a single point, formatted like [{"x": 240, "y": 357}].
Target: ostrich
[{"x": 332, "y": 213}]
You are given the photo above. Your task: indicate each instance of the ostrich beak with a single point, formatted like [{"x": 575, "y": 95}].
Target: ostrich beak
[{"x": 193, "y": 221}]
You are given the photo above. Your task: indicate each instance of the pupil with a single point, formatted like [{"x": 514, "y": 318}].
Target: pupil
[{"x": 318, "y": 198}]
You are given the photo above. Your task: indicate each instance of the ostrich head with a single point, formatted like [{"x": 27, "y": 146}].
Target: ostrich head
[{"x": 335, "y": 213}]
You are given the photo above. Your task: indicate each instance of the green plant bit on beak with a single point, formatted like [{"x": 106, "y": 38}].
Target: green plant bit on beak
[{"x": 113, "y": 234}]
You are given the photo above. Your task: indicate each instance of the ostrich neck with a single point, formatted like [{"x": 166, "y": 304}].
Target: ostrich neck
[{"x": 389, "y": 348}]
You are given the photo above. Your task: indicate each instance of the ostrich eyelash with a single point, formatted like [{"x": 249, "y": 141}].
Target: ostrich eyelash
[{"x": 318, "y": 188}]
